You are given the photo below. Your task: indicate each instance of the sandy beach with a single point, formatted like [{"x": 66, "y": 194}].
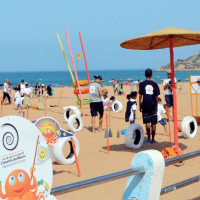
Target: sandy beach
[{"x": 94, "y": 160}]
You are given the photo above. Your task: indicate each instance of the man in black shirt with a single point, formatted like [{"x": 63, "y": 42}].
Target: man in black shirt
[{"x": 149, "y": 92}]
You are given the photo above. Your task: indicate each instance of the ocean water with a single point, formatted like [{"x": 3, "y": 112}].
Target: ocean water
[{"x": 64, "y": 78}]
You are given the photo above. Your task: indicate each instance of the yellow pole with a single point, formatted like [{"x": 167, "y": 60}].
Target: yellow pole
[
  {"x": 66, "y": 58},
  {"x": 197, "y": 104}
]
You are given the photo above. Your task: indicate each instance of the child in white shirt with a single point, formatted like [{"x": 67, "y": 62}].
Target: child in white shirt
[
  {"x": 131, "y": 108},
  {"x": 105, "y": 101},
  {"x": 160, "y": 119},
  {"x": 17, "y": 99},
  {"x": 113, "y": 103}
]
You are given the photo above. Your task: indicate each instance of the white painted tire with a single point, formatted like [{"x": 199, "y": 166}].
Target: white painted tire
[
  {"x": 139, "y": 137},
  {"x": 189, "y": 127},
  {"x": 68, "y": 109},
  {"x": 120, "y": 107},
  {"x": 72, "y": 119},
  {"x": 58, "y": 151}
]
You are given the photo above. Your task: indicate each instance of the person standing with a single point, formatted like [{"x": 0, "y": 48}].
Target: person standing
[
  {"x": 114, "y": 84},
  {"x": 40, "y": 99},
  {"x": 22, "y": 88},
  {"x": 138, "y": 85},
  {"x": 96, "y": 104},
  {"x": 6, "y": 91},
  {"x": 132, "y": 86},
  {"x": 168, "y": 89},
  {"x": 148, "y": 104},
  {"x": 27, "y": 97}
]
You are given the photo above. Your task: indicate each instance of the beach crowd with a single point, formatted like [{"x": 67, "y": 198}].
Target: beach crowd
[
  {"x": 150, "y": 104},
  {"x": 23, "y": 94}
]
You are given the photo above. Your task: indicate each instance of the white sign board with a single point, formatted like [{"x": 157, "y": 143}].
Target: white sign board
[{"x": 18, "y": 138}]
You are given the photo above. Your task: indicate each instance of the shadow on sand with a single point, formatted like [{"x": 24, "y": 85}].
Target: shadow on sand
[{"x": 158, "y": 146}]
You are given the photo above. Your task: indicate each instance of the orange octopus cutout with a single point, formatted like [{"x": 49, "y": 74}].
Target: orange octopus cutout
[
  {"x": 49, "y": 136},
  {"x": 18, "y": 187}
]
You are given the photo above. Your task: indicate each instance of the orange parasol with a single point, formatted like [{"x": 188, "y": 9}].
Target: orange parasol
[{"x": 166, "y": 38}]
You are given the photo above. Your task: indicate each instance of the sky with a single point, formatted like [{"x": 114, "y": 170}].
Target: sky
[{"x": 28, "y": 40}]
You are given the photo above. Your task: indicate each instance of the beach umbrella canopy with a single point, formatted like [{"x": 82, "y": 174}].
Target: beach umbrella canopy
[
  {"x": 120, "y": 79},
  {"x": 187, "y": 79},
  {"x": 110, "y": 81},
  {"x": 166, "y": 38},
  {"x": 129, "y": 79}
]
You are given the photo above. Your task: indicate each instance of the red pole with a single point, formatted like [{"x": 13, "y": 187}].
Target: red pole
[
  {"x": 60, "y": 98},
  {"x": 174, "y": 92},
  {"x": 107, "y": 132},
  {"x": 85, "y": 59},
  {"x": 109, "y": 112},
  {"x": 75, "y": 72},
  {"x": 76, "y": 158}
]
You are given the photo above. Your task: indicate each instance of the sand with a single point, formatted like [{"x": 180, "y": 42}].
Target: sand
[{"x": 94, "y": 160}]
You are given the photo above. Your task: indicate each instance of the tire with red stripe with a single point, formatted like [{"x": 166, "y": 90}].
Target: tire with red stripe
[{"x": 83, "y": 91}]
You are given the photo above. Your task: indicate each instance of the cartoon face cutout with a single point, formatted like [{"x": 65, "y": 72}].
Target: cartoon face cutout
[
  {"x": 47, "y": 133},
  {"x": 17, "y": 183},
  {"x": 42, "y": 154},
  {"x": 149, "y": 89}
]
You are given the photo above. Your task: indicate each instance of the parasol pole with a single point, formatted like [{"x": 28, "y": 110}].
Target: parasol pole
[{"x": 174, "y": 92}]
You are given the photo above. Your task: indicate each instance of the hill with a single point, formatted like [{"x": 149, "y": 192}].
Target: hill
[{"x": 189, "y": 64}]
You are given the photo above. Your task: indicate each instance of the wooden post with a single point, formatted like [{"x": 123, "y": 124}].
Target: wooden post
[
  {"x": 196, "y": 104},
  {"x": 76, "y": 158},
  {"x": 191, "y": 104},
  {"x": 107, "y": 132},
  {"x": 27, "y": 113}
]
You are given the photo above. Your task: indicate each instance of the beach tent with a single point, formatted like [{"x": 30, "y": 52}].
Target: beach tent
[
  {"x": 126, "y": 83},
  {"x": 166, "y": 38}
]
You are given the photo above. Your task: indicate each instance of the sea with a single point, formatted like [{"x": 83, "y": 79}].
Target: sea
[{"x": 64, "y": 78}]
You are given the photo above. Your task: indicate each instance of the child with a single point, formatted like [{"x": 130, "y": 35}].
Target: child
[
  {"x": 105, "y": 101},
  {"x": 113, "y": 103},
  {"x": 27, "y": 97},
  {"x": 17, "y": 99},
  {"x": 160, "y": 119},
  {"x": 130, "y": 114},
  {"x": 179, "y": 85},
  {"x": 40, "y": 99}
]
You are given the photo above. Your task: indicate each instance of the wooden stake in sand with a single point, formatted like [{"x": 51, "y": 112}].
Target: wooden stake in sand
[
  {"x": 76, "y": 158},
  {"x": 107, "y": 132},
  {"x": 196, "y": 104},
  {"x": 169, "y": 124},
  {"x": 45, "y": 106},
  {"x": 27, "y": 113},
  {"x": 191, "y": 104},
  {"x": 60, "y": 98}
]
